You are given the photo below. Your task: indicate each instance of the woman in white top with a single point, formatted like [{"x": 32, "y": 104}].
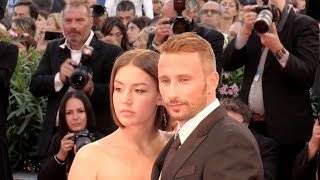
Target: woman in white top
[
  {"x": 111, "y": 6},
  {"x": 129, "y": 152}
]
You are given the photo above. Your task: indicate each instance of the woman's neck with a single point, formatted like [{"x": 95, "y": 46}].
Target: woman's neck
[
  {"x": 225, "y": 24},
  {"x": 139, "y": 137}
]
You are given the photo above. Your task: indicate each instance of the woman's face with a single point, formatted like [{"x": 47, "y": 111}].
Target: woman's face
[
  {"x": 141, "y": 42},
  {"x": 51, "y": 25},
  {"x": 229, "y": 9},
  {"x": 116, "y": 34},
  {"x": 40, "y": 23},
  {"x": 135, "y": 97},
  {"x": 133, "y": 32},
  {"x": 76, "y": 115}
]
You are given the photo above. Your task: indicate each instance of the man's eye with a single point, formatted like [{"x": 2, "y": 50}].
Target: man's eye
[{"x": 140, "y": 91}]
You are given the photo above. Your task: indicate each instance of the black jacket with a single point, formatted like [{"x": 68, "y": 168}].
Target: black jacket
[
  {"x": 285, "y": 90},
  {"x": 8, "y": 62}
]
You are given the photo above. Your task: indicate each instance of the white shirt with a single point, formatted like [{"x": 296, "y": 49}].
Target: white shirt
[
  {"x": 190, "y": 125},
  {"x": 75, "y": 55},
  {"x": 111, "y": 6}
]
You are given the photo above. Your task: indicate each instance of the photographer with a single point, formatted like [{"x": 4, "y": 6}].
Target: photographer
[
  {"x": 177, "y": 14},
  {"x": 61, "y": 59},
  {"x": 280, "y": 64},
  {"x": 75, "y": 115}
]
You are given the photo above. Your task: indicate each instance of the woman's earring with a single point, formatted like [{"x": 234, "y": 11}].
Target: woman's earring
[{"x": 164, "y": 116}]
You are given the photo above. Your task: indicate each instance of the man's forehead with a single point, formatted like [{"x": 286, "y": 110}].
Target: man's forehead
[{"x": 69, "y": 11}]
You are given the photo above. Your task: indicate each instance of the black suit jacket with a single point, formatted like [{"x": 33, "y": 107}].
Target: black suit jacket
[
  {"x": 219, "y": 148},
  {"x": 8, "y": 62},
  {"x": 214, "y": 37},
  {"x": 285, "y": 90},
  {"x": 269, "y": 155},
  {"x": 42, "y": 84}
]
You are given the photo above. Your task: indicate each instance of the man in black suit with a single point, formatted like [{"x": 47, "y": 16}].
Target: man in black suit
[
  {"x": 164, "y": 30},
  {"x": 279, "y": 70},
  {"x": 239, "y": 111},
  {"x": 208, "y": 144},
  {"x": 8, "y": 62},
  {"x": 58, "y": 63}
]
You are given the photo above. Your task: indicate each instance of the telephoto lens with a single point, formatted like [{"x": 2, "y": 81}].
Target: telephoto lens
[
  {"x": 263, "y": 21},
  {"x": 79, "y": 78}
]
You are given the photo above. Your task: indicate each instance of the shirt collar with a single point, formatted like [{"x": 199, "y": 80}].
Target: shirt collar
[
  {"x": 87, "y": 43},
  {"x": 191, "y": 124}
]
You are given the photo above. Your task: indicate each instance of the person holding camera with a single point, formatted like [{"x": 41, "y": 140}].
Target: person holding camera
[
  {"x": 177, "y": 18},
  {"x": 67, "y": 64},
  {"x": 279, "y": 50},
  {"x": 77, "y": 123}
]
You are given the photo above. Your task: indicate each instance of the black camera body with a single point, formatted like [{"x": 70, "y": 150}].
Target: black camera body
[
  {"x": 180, "y": 24},
  {"x": 82, "y": 138},
  {"x": 98, "y": 10},
  {"x": 266, "y": 15},
  {"x": 79, "y": 78}
]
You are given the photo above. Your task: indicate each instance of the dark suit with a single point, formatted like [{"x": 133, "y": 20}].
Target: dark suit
[
  {"x": 219, "y": 148},
  {"x": 214, "y": 37},
  {"x": 8, "y": 62},
  {"x": 269, "y": 155},
  {"x": 42, "y": 84},
  {"x": 288, "y": 113}
]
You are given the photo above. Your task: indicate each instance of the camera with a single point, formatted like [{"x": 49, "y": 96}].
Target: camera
[
  {"x": 266, "y": 15},
  {"x": 82, "y": 138},
  {"x": 180, "y": 24},
  {"x": 98, "y": 10},
  {"x": 79, "y": 78}
]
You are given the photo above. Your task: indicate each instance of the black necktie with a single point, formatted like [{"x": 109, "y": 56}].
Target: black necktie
[{"x": 170, "y": 155}]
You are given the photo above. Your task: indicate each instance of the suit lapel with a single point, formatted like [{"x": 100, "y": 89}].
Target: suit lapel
[
  {"x": 195, "y": 139},
  {"x": 96, "y": 46},
  {"x": 157, "y": 167}
]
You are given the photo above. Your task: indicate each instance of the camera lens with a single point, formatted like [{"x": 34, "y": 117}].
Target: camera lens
[
  {"x": 79, "y": 78},
  {"x": 263, "y": 21}
]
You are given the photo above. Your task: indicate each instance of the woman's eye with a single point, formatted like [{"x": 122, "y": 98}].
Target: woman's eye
[
  {"x": 140, "y": 91},
  {"x": 118, "y": 89}
]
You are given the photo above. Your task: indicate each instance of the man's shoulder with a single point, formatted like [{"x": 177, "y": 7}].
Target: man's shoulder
[{"x": 206, "y": 32}]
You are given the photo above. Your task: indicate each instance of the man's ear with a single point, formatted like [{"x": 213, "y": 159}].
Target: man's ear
[{"x": 212, "y": 82}]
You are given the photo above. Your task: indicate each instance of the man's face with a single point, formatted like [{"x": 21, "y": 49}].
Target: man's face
[
  {"x": 77, "y": 24},
  {"x": 210, "y": 14},
  {"x": 157, "y": 5},
  {"x": 21, "y": 11},
  {"x": 126, "y": 16},
  {"x": 183, "y": 84}
]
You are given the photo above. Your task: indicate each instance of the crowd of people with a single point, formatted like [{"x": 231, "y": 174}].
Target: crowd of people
[{"x": 133, "y": 84}]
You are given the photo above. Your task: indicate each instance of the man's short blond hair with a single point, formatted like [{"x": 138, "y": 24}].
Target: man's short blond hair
[{"x": 188, "y": 43}]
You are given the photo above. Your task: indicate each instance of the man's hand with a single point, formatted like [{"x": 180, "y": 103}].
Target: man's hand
[
  {"x": 89, "y": 87},
  {"x": 314, "y": 143},
  {"x": 66, "y": 69},
  {"x": 271, "y": 39},
  {"x": 249, "y": 18},
  {"x": 162, "y": 31}
]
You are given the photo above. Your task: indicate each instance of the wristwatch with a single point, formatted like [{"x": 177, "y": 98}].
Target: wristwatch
[{"x": 280, "y": 53}]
